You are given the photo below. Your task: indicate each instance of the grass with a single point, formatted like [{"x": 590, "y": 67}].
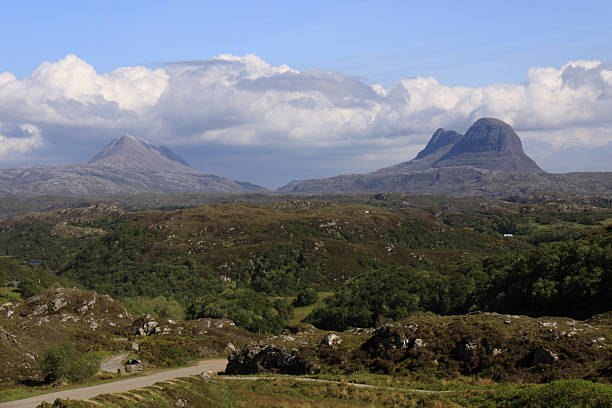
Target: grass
[
  {"x": 9, "y": 294},
  {"x": 299, "y": 313},
  {"x": 291, "y": 392}
]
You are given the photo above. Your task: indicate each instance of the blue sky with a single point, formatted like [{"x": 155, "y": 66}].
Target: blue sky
[
  {"x": 459, "y": 43},
  {"x": 471, "y": 44}
]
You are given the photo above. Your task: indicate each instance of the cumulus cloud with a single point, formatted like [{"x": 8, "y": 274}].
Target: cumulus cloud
[
  {"x": 20, "y": 145},
  {"x": 245, "y": 101}
]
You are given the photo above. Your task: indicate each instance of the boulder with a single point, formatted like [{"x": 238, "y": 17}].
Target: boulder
[
  {"x": 133, "y": 365},
  {"x": 257, "y": 359},
  {"x": 390, "y": 338},
  {"x": 542, "y": 355},
  {"x": 330, "y": 340}
]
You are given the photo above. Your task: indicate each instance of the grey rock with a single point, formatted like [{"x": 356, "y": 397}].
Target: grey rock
[
  {"x": 330, "y": 340},
  {"x": 254, "y": 358}
]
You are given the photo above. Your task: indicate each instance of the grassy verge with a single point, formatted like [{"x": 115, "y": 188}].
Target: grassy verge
[
  {"x": 21, "y": 392},
  {"x": 290, "y": 392}
]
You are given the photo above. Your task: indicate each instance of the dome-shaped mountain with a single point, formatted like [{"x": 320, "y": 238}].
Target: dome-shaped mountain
[
  {"x": 488, "y": 159},
  {"x": 134, "y": 151},
  {"x": 489, "y": 144}
]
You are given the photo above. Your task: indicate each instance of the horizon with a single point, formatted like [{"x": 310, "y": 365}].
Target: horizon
[{"x": 276, "y": 102}]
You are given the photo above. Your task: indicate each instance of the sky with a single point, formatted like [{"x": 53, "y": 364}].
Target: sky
[{"x": 270, "y": 92}]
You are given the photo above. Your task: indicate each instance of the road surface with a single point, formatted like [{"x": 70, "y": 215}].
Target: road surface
[{"x": 118, "y": 386}]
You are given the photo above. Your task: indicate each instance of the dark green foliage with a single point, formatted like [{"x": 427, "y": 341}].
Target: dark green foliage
[
  {"x": 392, "y": 293},
  {"x": 247, "y": 308},
  {"x": 572, "y": 278},
  {"x": 306, "y": 297},
  {"x": 429, "y": 247},
  {"x": 65, "y": 363},
  {"x": 31, "y": 280}
]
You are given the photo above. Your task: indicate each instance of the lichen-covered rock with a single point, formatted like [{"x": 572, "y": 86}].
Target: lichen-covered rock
[{"x": 330, "y": 340}]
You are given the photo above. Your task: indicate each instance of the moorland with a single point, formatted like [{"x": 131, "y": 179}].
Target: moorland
[{"x": 483, "y": 297}]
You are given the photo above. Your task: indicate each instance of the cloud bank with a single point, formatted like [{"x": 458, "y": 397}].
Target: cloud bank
[
  {"x": 20, "y": 145},
  {"x": 246, "y": 102}
]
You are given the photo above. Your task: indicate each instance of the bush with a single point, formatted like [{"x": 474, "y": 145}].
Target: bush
[
  {"x": 65, "y": 363},
  {"x": 306, "y": 297},
  {"x": 169, "y": 351}
]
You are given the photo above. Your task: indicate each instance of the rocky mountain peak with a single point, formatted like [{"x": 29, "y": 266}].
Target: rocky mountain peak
[
  {"x": 489, "y": 144},
  {"x": 132, "y": 150},
  {"x": 489, "y": 135},
  {"x": 439, "y": 140}
]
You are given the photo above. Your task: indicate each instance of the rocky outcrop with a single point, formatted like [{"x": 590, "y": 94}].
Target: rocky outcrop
[
  {"x": 98, "y": 322},
  {"x": 254, "y": 358},
  {"x": 389, "y": 338},
  {"x": 330, "y": 340},
  {"x": 542, "y": 355}
]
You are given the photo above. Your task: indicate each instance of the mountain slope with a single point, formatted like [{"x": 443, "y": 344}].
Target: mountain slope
[
  {"x": 489, "y": 160},
  {"x": 440, "y": 144},
  {"x": 127, "y": 165}
]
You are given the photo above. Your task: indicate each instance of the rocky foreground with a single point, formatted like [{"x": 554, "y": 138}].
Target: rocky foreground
[
  {"x": 496, "y": 346},
  {"x": 96, "y": 322}
]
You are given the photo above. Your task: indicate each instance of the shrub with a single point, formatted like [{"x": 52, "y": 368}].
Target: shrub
[
  {"x": 306, "y": 297},
  {"x": 65, "y": 363},
  {"x": 169, "y": 351}
]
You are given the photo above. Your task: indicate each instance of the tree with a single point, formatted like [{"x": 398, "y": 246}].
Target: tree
[
  {"x": 65, "y": 363},
  {"x": 306, "y": 297}
]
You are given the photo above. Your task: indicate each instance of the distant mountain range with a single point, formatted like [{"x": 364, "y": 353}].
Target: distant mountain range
[
  {"x": 128, "y": 165},
  {"x": 488, "y": 160}
]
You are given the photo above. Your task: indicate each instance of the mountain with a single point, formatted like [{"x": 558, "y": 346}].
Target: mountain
[
  {"x": 440, "y": 143},
  {"x": 492, "y": 145},
  {"x": 488, "y": 160},
  {"x": 131, "y": 150},
  {"x": 127, "y": 165}
]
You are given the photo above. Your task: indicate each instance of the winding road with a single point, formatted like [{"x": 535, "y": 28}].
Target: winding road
[{"x": 118, "y": 386}]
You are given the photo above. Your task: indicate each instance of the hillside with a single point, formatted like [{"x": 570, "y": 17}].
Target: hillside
[
  {"x": 128, "y": 165},
  {"x": 212, "y": 258},
  {"x": 403, "y": 281}
]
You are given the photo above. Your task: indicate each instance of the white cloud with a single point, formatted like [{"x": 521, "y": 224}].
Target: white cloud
[
  {"x": 20, "y": 145},
  {"x": 244, "y": 101}
]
